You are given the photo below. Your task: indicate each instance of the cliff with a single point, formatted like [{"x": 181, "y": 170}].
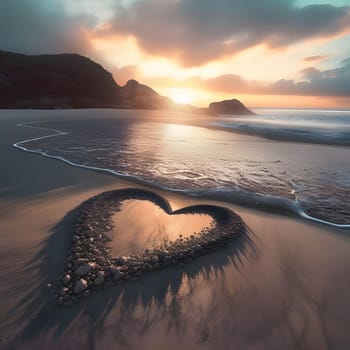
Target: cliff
[
  {"x": 74, "y": 81},
  {"x": 55, "y": 81}
]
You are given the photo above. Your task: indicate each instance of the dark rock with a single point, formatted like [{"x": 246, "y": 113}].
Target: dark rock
[
  {"x": 117, "y": 275},
  {"x": 68, "y": 81},
  {"x": 100, "y": 278},
  {"x": 84, "y": 269},
  {"x": 63, "y": 291},
  {"x": 66, "y": 279},
  {"x": 233, "y": 106},
  {"x": 80, "y": 286}
]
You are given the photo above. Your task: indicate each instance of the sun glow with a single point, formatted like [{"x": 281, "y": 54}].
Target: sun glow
[{"x": 182, "y": 96}]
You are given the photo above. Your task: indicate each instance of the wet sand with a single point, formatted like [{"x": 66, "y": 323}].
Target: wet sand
[
  {"x": 141, "y": 225},
  {"x": 286, "y": 286}
]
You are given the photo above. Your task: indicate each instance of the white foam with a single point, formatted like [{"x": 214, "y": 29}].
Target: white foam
[{"x": 238, "y": 196}]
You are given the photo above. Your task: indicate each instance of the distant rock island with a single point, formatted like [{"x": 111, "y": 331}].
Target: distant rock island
[
  {"x": 74, "y": 81},
  {"x": 229, "y": 107}
]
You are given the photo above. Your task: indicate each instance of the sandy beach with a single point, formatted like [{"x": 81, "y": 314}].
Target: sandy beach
[{"x": 286, "y": 286}]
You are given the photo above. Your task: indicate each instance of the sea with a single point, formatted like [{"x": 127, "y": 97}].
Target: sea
[{"x": 296, "y": 161}]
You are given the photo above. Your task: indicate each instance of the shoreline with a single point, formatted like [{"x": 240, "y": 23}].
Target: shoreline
[
  {"x": 284, "y": 288},
  {"x": 261, "y": 202}
]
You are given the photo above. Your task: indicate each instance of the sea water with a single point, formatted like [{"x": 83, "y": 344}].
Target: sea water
[{"x": 288, "y": 159}]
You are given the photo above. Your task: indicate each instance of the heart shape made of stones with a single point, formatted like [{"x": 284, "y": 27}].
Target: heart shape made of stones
[{"x": 90, "y": 264}]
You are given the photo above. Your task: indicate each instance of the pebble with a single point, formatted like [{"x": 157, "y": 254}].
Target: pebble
[
  {"x": 63, "y": 291},
  {"x": 66, "y": 279},
  {"x": 117, "y": 275},
  {"x": 90, "y": 266},
  {"x": 100, "y": 278},
  {"x": 84, "y": 269},
  {"x": 80, "y": 286}
]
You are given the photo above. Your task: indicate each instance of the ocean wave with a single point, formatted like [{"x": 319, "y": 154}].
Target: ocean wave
[
  {"x": 237, "y": 195},
  {"x": 319, "y": 136},
  {"x": 330, "y": 127}
]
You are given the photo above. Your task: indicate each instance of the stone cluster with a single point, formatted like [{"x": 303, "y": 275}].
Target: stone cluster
[{"x": 90, "y": 265}]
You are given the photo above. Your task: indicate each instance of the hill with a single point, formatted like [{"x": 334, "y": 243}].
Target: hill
[
  {"x": 74, "y": 81},
  {"x": 55, "y": 81}
]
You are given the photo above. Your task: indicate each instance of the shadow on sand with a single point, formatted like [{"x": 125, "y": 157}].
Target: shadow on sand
[{"x": 38, "y": 312}]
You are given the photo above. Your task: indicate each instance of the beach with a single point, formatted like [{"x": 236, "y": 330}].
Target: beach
[{"x": 284, "y": 286}]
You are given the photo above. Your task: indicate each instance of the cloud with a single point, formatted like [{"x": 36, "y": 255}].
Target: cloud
[
  {"x": 125, "y": 73},
  {"x": 229, "y": 83},
  {"x": 331, "y": 82},
  {"x": 317, "y": 58},
  {"x": 35, "y": 26},
  {"x": 310, "y": 73},
  {"x": 198, "y": 31}
]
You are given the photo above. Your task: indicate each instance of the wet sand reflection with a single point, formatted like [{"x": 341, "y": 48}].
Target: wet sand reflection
[{"x": 141, "y": 225}]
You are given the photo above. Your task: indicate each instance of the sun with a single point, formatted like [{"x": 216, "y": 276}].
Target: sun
[
  {"x": 181, "y": 96},
  {"x": 187, "y": 95}
]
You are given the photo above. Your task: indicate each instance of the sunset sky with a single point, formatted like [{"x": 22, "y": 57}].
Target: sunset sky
[{"x": 267, "y": 53}]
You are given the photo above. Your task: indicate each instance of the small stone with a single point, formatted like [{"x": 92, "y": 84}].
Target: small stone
[
  {"x": 117, "y": 275},
  {"x": 99, "y": 278},
  {"x": 84, "y": 269},
  {"x": 95, "y": 251},
  {"x": 66, "y": 279},
  {"x": 155, "y": 258},
  {"x": 80, "y": 286},
  {"x": 63, "y": 291},
  {"x": 76, "y": 249},
  {"x": 121, "y": 260}
]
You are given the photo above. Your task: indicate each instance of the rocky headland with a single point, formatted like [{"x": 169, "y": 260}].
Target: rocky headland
[{"x": 74, "y": 81}]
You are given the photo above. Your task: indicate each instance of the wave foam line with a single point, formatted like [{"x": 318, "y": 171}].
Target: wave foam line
[
  {"x": 238, "y": 197},
  {"x": 264, "y": 202}
]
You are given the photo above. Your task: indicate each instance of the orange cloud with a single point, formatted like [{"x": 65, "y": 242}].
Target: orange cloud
[
  {"x": 195, "y": 32},
  {"x": 316, "y": 58}
]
